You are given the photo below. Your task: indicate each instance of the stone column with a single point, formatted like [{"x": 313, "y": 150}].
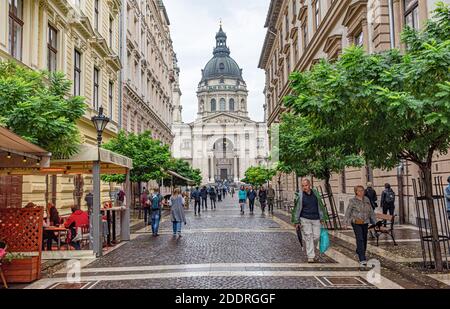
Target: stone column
[
  {"x": 235, "y": 169},
  {"x": 212, "y": 169}
]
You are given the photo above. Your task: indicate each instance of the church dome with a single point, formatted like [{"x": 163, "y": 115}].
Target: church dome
[{"x": 221, "y": 65}]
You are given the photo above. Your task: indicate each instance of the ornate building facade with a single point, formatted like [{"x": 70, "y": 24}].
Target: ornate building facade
[
  {"x": 300, "y": 32},
  {"x": 150, "y": 70},
  {"x": 81, "y": 39},
  {"x": 223, "y": 141}
]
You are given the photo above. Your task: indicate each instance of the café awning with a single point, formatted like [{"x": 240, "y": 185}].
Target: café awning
[
  {"x": 176, "y": 175},
  {"x": 81, "y": 163},
  {"x": 19, "y": 155}
]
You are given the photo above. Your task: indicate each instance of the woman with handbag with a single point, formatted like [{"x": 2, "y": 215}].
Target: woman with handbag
[{"x": 359, "y": 214}]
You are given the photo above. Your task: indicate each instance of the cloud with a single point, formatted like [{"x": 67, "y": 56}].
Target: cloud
[{"x": 194, "y": 24}]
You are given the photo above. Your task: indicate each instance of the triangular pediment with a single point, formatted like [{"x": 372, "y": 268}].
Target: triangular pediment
[{"x": 223, "y": 118}]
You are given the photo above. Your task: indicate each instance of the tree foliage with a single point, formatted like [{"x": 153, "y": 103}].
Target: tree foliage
[
  {"x": 386, "y": 106},
  {"x": 258, "y": 175},
  {"x": 184, "y": 169},
  {"x": 311, "y": 151},
  {"x": 37, "y": 105},
  {"x": 150, "y": 157}
]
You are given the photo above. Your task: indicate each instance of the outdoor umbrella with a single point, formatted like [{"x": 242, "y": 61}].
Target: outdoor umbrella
[{"x": 300, "y": 236}]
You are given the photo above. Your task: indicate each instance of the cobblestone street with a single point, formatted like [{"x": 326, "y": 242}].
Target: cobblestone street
[{"x": 223, "y": 249}]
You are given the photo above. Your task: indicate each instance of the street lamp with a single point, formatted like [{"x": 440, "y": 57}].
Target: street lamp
[{"x": 100, "y": 122}]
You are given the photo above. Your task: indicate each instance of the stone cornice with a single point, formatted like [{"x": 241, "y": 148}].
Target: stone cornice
[
  {"x": 333, "y": 46},
  {"x": 356, "y": 13}
]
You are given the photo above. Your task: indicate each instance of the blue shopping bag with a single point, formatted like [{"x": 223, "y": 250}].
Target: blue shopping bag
[{"x": 324, "y": 240}]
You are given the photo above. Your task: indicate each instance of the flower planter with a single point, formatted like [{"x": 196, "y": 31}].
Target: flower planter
[{"x": 24, "y": 270}]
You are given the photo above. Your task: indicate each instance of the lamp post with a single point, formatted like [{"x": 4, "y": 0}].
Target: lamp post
[{"x": 100, "y": 122}]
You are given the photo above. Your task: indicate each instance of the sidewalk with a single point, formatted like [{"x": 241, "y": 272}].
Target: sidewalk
[{"x": 404, "y": 260}]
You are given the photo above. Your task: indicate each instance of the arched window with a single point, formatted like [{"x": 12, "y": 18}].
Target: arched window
[
  {"x": 213, "y": 105},
  {"x": 223, "y": 104},
  {"x": 232, "y": 105}
]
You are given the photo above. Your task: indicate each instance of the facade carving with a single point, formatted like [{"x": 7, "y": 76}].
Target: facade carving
[{"x": 150, "y": 70}]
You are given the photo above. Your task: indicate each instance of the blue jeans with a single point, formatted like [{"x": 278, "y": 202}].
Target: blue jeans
[
  {"x": 155, "y": 218},
  {"x": 176, "y": 227}
]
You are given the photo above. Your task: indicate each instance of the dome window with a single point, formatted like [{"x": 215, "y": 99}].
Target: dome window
[
  {"x": 232, "y": 105},
  {"x": 221, "y": 66}
]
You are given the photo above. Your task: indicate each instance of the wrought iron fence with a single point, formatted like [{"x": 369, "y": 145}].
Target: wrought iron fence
[{"x": 429, "y": 243}]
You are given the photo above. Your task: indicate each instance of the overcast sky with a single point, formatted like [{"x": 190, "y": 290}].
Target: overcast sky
[{"x": 194, "y": 24}]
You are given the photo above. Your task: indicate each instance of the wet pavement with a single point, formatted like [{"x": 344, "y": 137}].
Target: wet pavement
[{"x": 224, "y": 249}]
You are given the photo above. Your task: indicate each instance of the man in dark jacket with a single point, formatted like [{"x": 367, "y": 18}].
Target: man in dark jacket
[
  {"x": 371, "y": 195},
  {"x": 204, "y": 195},
  {"x": 388, "y": 200},
  {"x": 195, "y": 195},
  {"x": 212, "y": 196},
  {"x": 262, "y": 195},
  {"x": 270, "y": 198},
  {"x": 251, "y": 199}
]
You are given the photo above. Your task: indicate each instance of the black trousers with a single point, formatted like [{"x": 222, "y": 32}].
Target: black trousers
[
  {"x": 263, "y": 205},
  {"x": 361, "y": 231},
  {"x": 213, "y": 203},
  {"x": 205, "y": 203},
  {"x": 197, "y": 206},
  {"x": 251, "y": 204},
  {"x": 48, "y": 238},
  {"x": 389, "y": 207}
]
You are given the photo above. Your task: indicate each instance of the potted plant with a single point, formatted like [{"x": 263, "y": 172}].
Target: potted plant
[{"x": 16, "y": 267}]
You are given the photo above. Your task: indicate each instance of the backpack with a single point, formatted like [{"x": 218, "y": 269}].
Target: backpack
[
  {"x": 155, "y": 202},
  {"x": 390, "y": 196}
]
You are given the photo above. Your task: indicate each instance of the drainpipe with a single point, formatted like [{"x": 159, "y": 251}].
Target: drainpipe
[
  {"x": 122, "y": 56},
  {"x": 391, "y": 23}
]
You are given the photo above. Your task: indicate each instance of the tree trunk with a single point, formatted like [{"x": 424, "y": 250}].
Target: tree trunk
[
  {"x": 428, "y": 187},
  {"x": 330, "y": 199}
]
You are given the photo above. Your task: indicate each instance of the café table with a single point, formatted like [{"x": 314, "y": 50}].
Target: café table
[
  {"x": 58, "y": 230},
  {"x": 111, "y": 222}
]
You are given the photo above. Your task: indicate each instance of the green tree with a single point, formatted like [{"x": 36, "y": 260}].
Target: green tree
[
  {"x": 150, "y": 157},
  {"x": 184, "y": 169},
  {"x": 258, "y": 175},
  {"x": 311, "y": 151},
  {"x": 388, "y": 106},
  {"x": 37, "y": 105}
]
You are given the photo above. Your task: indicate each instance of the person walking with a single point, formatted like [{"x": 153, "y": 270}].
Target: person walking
[
  {"x": 145, "y": 206},
  {"x": 155, "y": 201},
  {"x": 270, "y": 198},
  {"x": 219, "y": 193},
  {"x": 195, "y": 195},
  {"x": 262, "y": 195},
  {"x": 388, "y": 201},
  {"x": 212, "y": 197},
  {"x": 224, "y": 191},
  {"x": 204, "y": 195},
  {"x": 359, "y": 214},
  {"x": 371, "y": 195},
  {"x": 177, "y": 211},
  {"x": 232, "y": 192},
  {"x": 251, "y": 199},
  {"x": 242, "y": 194},
  {"x": 309, "y": 213},
  {"x": 447, "y": 197}
]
